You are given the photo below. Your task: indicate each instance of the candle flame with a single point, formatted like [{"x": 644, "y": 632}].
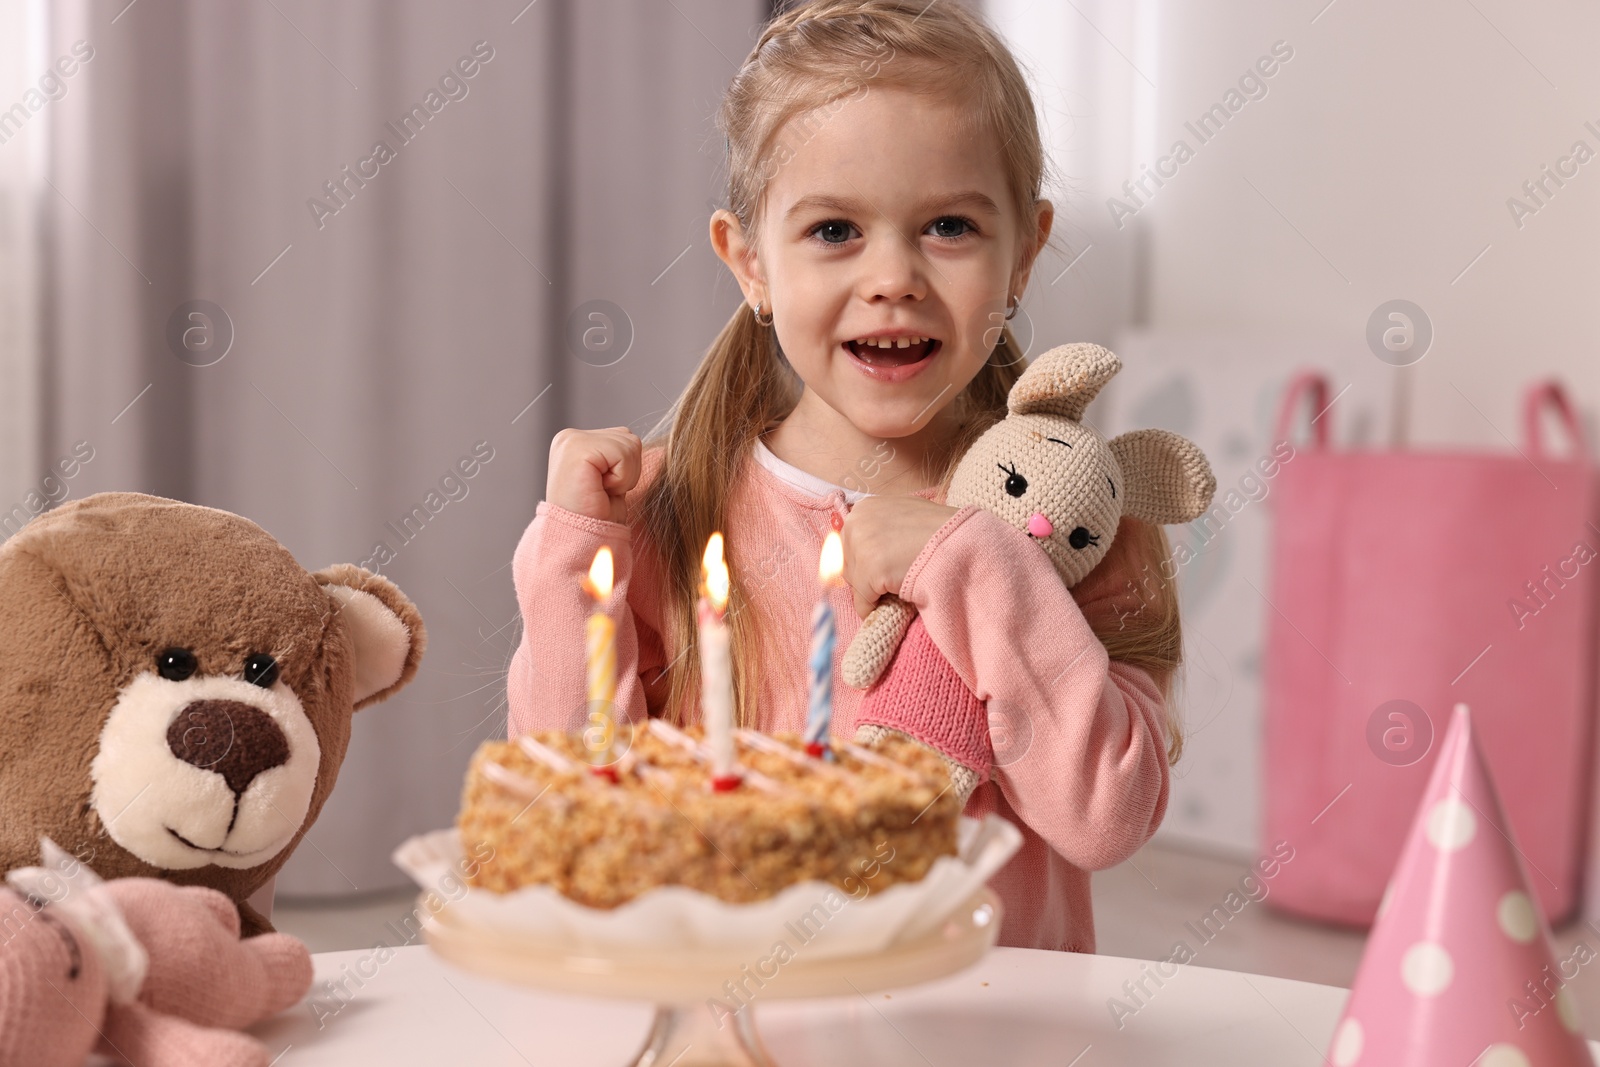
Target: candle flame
[
  {"x": 713, "y": 554},
  {"x": 717, "y": 585},
  {"x": 831, "y": 565},
  {"x": 715, "y": 571},
  {"x": 598, "y": 583}
]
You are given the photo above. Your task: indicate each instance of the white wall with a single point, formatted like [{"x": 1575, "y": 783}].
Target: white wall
[
  {"x": 1388, "y": 147},
  {"x": 1376, "y": 166}
]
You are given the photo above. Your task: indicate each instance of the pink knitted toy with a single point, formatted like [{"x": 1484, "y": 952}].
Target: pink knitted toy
[
  {"x": 1053, "y": 477},
  {"x": 137, "y": 969}
]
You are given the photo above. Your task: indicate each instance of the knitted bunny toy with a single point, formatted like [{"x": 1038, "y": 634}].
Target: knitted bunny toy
[
  {"x": 1044, "y": 471},
  {"x": 138, "y": 969}
]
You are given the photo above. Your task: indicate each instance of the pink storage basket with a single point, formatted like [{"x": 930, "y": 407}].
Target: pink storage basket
[{"x": 1394, "y": 581}]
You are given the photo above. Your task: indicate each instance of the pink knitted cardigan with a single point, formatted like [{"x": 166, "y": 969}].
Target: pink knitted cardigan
[{"x": 1080, "y": 749}]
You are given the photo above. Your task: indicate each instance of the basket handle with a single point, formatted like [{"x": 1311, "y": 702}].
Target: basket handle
[
  {"x": 1550, "y": 394},
  {"x": 1307, "y": 383}
]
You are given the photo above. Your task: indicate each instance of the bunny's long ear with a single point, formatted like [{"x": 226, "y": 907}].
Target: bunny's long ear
[
  {"x": 1062, "y": 381},
  {"x": 1168, "y": 478}
]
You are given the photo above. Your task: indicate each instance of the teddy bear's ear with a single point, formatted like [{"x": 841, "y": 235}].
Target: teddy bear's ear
[
  {"x": 1167, "y": 477},
  {"x": 1062, "y": 381},
  {"x": 385, "y": 628}
]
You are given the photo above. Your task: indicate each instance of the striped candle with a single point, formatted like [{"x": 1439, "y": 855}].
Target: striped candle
[{"x": 819, "y": 711}]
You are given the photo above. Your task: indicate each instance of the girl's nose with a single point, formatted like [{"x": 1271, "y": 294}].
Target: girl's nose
[
  {"x": 892, "y": 270},
  {"x": 1039, "y": 526}
]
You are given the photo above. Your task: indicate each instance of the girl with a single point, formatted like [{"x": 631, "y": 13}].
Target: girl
[{"x": 884, "y": 172}]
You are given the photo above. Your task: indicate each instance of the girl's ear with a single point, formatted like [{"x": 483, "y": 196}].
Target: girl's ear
[
  {"x": 385, "y": 629},
  {"x": 1062, "y": 381},
  {"x": 1167, "y": 477}
]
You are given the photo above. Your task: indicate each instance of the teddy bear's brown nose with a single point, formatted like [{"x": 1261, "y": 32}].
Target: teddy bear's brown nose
[{"x": 229, "y": 737}]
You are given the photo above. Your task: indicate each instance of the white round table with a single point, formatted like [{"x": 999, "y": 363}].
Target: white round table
[{"x": 405, "y": 1006}]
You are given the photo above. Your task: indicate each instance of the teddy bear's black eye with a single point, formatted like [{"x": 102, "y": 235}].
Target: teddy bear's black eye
[
  {"x": 1081, "y": 538},
  {"x": 176, "y": 664},
  {"x": 1016, "y": 484},
  {"x": 261, "y": 669}
]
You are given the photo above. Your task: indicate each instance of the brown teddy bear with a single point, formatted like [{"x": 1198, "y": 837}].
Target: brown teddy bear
[
  {"x": 1050, "y": 475},
  {"x": 176, "y": 691}
]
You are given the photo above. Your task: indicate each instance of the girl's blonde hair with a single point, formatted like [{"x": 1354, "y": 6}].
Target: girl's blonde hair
[{"x": 805, "y": 58}]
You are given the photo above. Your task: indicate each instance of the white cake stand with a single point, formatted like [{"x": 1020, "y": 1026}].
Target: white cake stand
[{"x": 686, "y": 1031}]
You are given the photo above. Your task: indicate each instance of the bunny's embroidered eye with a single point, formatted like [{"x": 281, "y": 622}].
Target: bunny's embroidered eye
[
  {"x": 1113, "y": 486},
  {"x": 1080, "y": 538},
  {"x": 1016, "y": 484}
]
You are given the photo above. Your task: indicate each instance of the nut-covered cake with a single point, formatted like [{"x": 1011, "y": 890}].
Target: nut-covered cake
[{"x": 864, "y": 821}]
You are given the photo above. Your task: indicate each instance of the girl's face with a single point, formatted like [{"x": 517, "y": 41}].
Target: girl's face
[{"x": 883, "y": 223}]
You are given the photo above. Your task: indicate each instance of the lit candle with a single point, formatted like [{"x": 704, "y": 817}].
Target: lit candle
[
  {"x": 716, "y": 666},
  {"x": 600, "y": 645},
  {"x": 819, "y": 715}
]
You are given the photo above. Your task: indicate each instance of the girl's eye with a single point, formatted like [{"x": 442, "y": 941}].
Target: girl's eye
[
  {"x": 837, "y": 227},
  {"x": 838, "y": 231},
  {"x": 957, "y": 220}
]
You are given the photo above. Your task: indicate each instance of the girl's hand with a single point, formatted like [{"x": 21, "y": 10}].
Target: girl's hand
[
  {"x": 881, "y": 536},
  {"x": 591, "y": 470}
]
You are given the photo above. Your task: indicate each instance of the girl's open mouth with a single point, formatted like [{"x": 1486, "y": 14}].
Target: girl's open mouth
[{"x": 890, "y": 362}]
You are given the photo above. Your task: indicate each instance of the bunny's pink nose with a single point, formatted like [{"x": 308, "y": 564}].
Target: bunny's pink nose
[{"x": 1039, "y": 526}]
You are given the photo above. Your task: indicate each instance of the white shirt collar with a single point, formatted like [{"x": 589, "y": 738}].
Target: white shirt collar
[{"x": 802, "y": 480}]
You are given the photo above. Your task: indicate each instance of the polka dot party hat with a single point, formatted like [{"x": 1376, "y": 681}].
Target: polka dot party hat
[{"x": 1458, "y": 968}]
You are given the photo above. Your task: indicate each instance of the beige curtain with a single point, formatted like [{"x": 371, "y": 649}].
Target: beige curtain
[
  {"x": 255, "y": 307},
  {"x": 24, "y": 142}
]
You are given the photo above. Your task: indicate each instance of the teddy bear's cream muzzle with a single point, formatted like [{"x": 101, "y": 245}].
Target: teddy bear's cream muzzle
[{"x": 210, "y": 770}]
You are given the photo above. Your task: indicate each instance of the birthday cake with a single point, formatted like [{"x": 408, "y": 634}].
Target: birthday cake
[{"x": 862, "y": 821}]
